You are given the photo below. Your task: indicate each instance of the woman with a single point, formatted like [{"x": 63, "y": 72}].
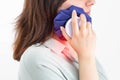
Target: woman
[{"x": 43, "y": 55}]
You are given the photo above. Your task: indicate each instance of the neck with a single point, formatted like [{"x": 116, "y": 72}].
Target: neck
[
  {"x": 73, "y": 53},
  {"x": 60, "y": 40}
]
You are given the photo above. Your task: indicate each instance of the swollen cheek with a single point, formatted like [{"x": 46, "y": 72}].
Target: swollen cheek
[{"x": 78, "y": 3}]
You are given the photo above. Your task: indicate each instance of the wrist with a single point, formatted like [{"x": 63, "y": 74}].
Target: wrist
[
  {"x": 88, "y": 58},
  {"x": 86, "y": 55}
]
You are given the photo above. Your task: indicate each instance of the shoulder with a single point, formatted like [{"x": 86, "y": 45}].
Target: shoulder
[
  {"x": 39, "y": 60},
  {"x": 36, "y": 53},
  {"x": 36, "y": 56}
]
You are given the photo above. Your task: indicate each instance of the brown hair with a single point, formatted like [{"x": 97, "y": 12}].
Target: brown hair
[{"x": 35, "y": 24}]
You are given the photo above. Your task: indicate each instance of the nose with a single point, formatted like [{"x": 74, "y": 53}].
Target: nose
[{"x": 90, "y": 2}]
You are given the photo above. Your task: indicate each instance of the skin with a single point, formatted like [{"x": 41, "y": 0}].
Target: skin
[
  {"x": 83, "y": 40},
  {"x": 85, "y": 4}
]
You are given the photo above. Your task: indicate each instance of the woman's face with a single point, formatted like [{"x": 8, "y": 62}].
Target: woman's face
[{"x": 85, "y": 4}]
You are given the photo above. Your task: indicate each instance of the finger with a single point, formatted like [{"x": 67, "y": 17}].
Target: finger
[
  {"x": 82, "y": 23},
  {"x": 93, "y": 32},
  {"x": 75, "y": 27},
  {"x": 64, "y": 33},
  {"x": 88, "y": 27}
]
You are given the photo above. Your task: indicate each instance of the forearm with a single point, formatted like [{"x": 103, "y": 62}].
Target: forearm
[{"x": 87, "y": 69}]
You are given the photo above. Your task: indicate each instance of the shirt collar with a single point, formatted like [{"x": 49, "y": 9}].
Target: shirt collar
[
  {"x": 58, "y": 48},
  {"x": 55, "y": 45}
]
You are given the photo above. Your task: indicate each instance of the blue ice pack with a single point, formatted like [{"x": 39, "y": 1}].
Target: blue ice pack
[{"x": 64, "y": 15}]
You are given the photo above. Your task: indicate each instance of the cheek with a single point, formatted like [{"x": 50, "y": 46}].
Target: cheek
[
  {"x": 81, "y": 4},
  {"x": 65, "y": 5},
  {"x": 78, "y": 3}
]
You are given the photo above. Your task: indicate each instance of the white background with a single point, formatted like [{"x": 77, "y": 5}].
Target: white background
[{"x": 106, "y": 23}]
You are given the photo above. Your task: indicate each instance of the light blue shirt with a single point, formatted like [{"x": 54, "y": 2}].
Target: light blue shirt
[{"x": 49, "y": 62}]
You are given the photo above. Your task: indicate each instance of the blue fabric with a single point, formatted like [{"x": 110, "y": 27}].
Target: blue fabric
[{"x": 64, "y": 15}]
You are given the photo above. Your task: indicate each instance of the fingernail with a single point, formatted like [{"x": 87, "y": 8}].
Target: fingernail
[
  {"x": 82, "y": 16},
  {"x": 61, "y": 28},
  {"x": 74, "y": 11}
]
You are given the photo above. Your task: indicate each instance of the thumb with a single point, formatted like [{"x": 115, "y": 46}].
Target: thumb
[{"x": 64, "y": 33}]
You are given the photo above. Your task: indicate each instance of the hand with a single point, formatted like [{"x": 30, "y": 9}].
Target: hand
[{"x": 83, "y": 40}]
